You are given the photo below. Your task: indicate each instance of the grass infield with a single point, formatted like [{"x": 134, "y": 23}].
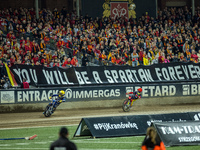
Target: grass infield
[{"x": 46, "y": 135}]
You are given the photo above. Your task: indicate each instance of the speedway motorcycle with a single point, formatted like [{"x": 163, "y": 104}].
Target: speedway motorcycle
[
  {"x": 127, "y": 104},
  {"x": 51, "y": 107}
]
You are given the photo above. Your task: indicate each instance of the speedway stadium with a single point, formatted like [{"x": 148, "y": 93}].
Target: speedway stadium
[{"x": 98, "y": 53}]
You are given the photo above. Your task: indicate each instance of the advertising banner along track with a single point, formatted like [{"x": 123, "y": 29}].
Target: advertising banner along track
[
  {"x": 128, "y": 125},
  {"x": 92, "y": 93},
  {"x": 107, "y": 75},
  {"x": 179, "y": 133}
]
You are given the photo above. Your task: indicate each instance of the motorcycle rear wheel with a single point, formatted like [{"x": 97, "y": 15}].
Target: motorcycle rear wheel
[{"x": 125, "y": 106}]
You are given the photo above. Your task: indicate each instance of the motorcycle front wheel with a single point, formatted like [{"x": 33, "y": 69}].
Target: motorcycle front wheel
[
  {"x": 47, "y": 112},
  {"x": 126, "y": 105}
]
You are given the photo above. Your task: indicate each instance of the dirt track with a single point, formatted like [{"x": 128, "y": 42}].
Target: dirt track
[{"x": 69, "y": 117}]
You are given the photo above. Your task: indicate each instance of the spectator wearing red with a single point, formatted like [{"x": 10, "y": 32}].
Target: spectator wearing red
[
  {"x": 35, "y": 58},
  {"x": 118, "y": 60},
  {"x": 28, "y": 47},
  {"x": 60, "y": 43},
  {"x": 161, "y": 58},
  {"x": 194, "y": 56},
  {"x": 141, "y": 55},
  {"x": 28, "y": 41},
  {"x": 55, "y": 55},
  {"x": 9, "y": 35},
  {"x": 26, "y": 58},
  {"x": 12, "y": 60},
  {"x": 44, "y": 59},
  {"x": 22, "y": 40},
  {"x": 25, "y": 84},
  {"x": 74, "y": 61},
  {"x": 67, "y": 62},
  {"x": 69, "y": 44}
]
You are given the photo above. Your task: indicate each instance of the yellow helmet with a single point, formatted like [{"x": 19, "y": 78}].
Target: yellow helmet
[{"x": 61, "y": 93}]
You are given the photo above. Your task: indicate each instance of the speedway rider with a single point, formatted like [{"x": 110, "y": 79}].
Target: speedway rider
[
  {"x": 133, "y": 96},
  {"x": 60, "y": 96}
]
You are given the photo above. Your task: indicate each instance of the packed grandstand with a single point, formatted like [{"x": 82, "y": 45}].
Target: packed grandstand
[{"x": 60, "y": 38}]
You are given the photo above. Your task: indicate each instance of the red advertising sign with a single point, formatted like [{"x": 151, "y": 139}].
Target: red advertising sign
[{"x": 119, "y": 9}]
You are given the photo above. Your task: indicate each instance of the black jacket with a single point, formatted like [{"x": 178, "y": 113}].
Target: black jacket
[
  {"x": 3, "y": 71},
  {"x": 150, "y": 146},
  {"x": 84, "y": 61},
  {"x": 63, "y": 142}
]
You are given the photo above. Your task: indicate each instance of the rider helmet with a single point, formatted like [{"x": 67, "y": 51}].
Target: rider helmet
[
  {"x": 139, "y": 91},
  {"x": 61, "y": 94}
]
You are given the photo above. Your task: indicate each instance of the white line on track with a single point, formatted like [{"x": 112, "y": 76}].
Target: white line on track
[
  {"x": 25, "y": 148},
  {"x": 40, "y": 142},
  {"x": 39, "y": 127},
  {"x": 22, "y": 143},
  {"x": 5, "y": 145},
  {"x": 101, "y": 142},
  {"x": 79, "y": 149},
  {"x": 104, "y": 149},
  {"x": 67, "y": 118}
]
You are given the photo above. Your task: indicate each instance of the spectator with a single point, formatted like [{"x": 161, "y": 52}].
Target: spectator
[
  {"x": 185, "y": 46},
  {"x": 141, "y": 55},
  {"x": 194, "y": 56},
  {"x": 74, "y": 62},
  {"x": 52, "y": 63},
  {"x": 67, "y": 62},
  {"x": 177, "y": 34},
  {"x": 175, "y": 49},
  {"x": 4, "y": 58},
  {"x": 35, "y": 58},
  {"x": 85, "y": 60},
  {"x": 42, "y": 46},
  {"x": 12, "y": 60},
  {"x": 6, "y": 83},
  {"x": 63, "y": 142},
  {"x": 172, "y": 58},
  {"x": 146, "y": 60},
  {"x": 166, "y": 60},
  {"x": 176, "y": 58},
  {"x": 181, "y": 57},
  {"x": 161, "y": 58},
  {"x": 155, "y": 60},
  {"x": 2, "y": 83},
  {"x": 25, "y": 84},
  {"x": 198, "y": 54},
  {"x": 151, "y": 55},
  {"x": 134, "y": 56},
  {"x": 112, "y": 57},
  {"x": 3, "y": 72},
  {"x": 152, "y": 141},
  {"x": 57, "y": 63},
  {"x": 188, "y": 58}
]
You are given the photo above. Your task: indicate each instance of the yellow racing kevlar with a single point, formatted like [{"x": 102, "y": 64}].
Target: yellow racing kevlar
[
  {"x": 132, "y": 102},
  {"x": 9, "y": 75}
]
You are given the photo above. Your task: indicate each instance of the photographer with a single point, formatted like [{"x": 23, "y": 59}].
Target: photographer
[
  {"x": 2, "y": 83},
  {"x": 5, "y": 83}
]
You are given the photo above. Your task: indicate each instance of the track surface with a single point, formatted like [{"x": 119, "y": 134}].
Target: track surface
[{"x": 71, "y": 117}]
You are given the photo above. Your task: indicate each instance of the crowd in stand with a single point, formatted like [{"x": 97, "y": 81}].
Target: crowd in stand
[{"x": 60, "y": 38}]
